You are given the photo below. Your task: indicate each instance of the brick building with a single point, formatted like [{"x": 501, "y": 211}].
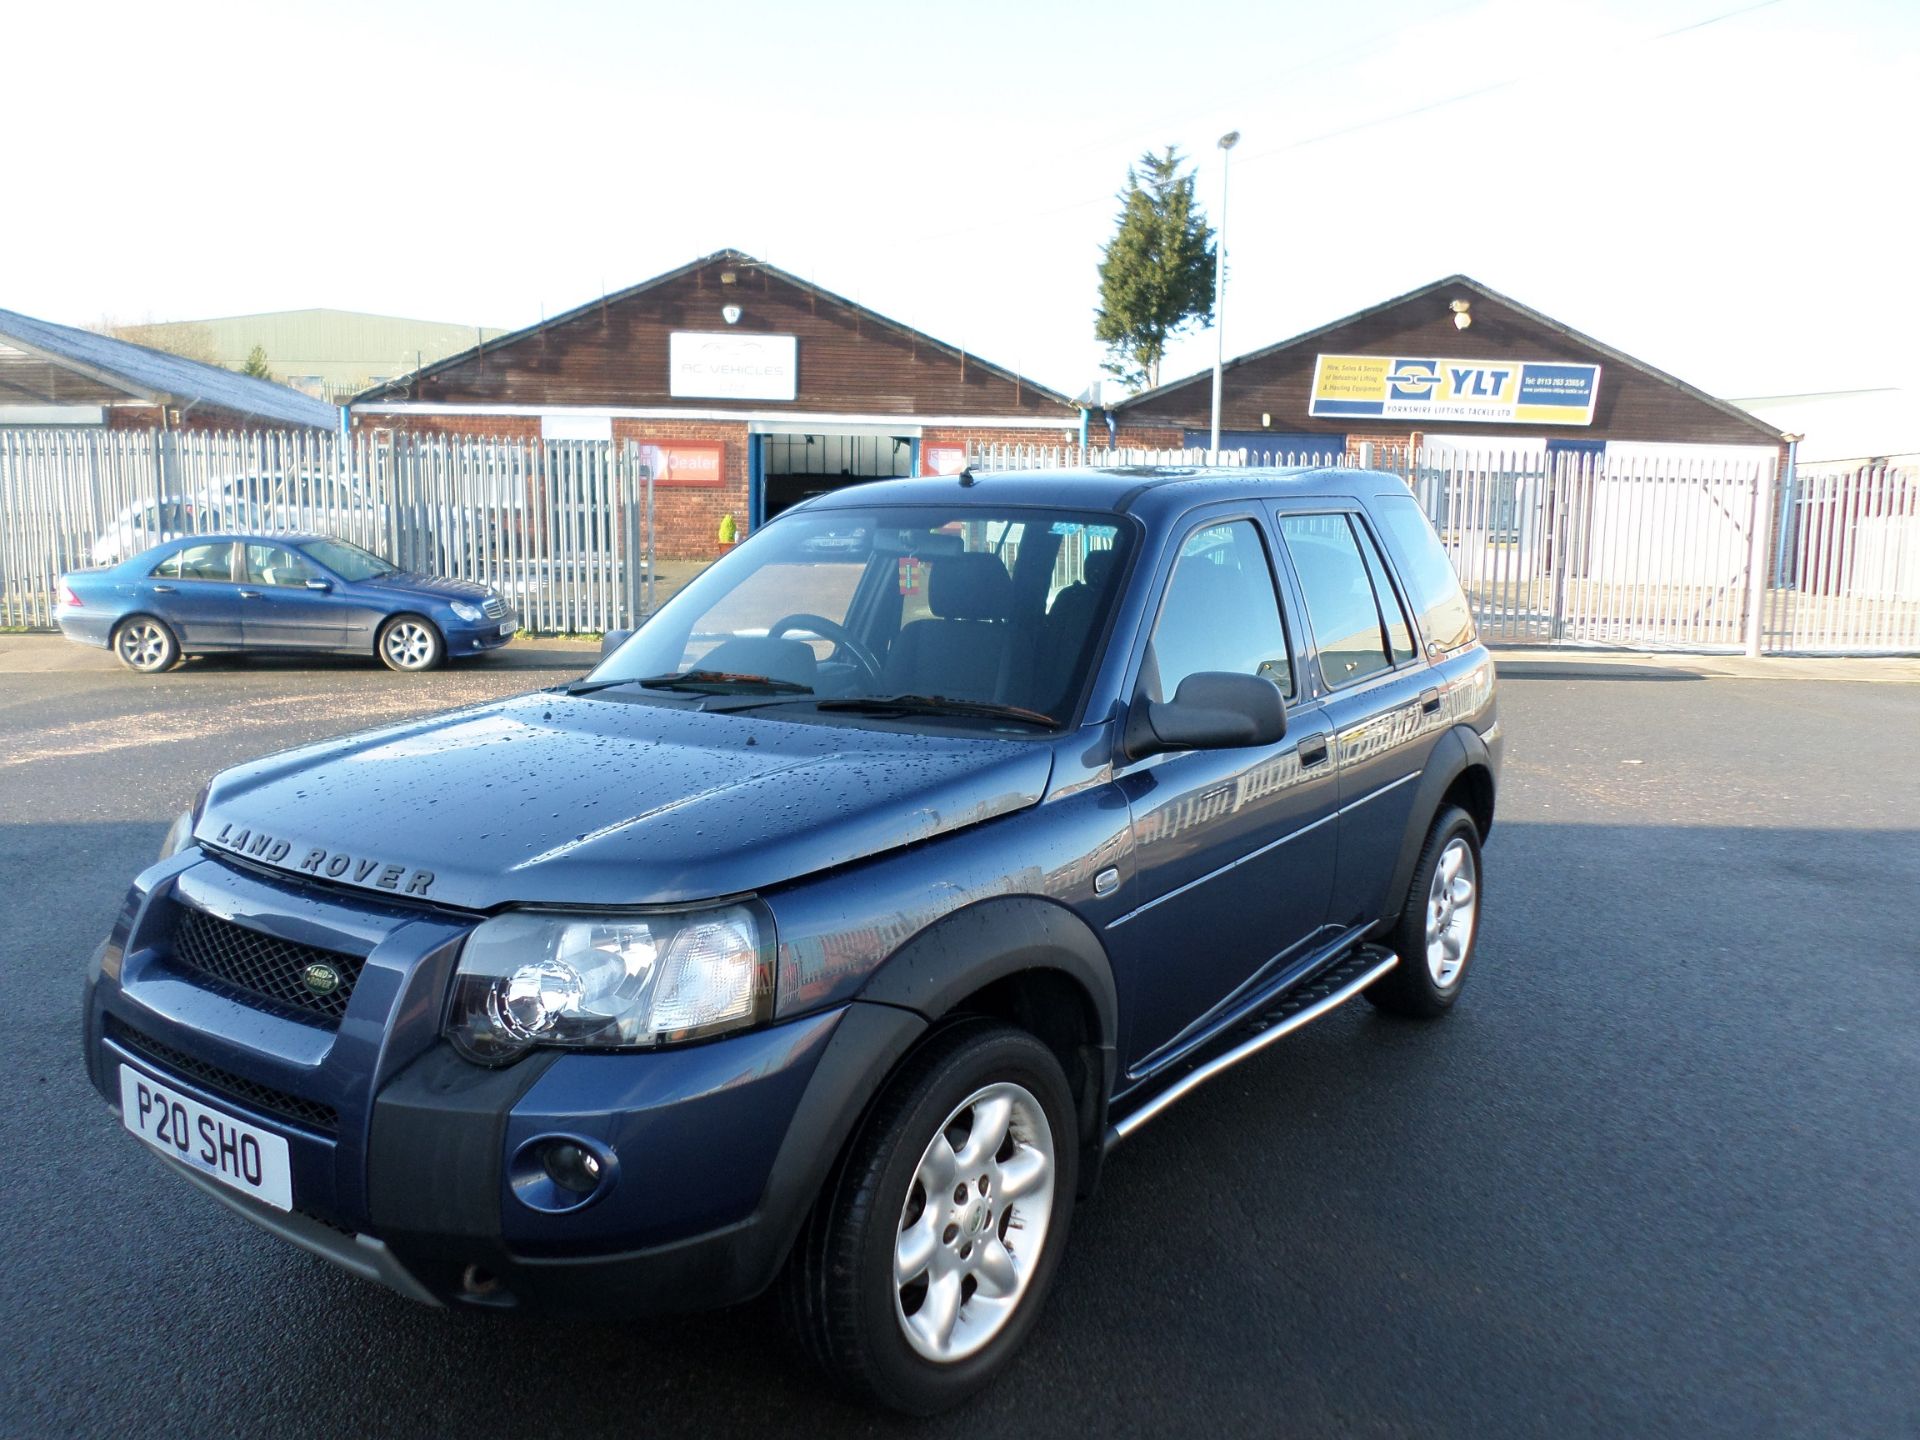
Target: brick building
[
  {"x": 56, "y": 375},
  {"x": 1452, "y": 364},
  {"x": 746, "y": 388}
]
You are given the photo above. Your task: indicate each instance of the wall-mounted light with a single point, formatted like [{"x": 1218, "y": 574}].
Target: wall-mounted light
[
  {"x": 1462, "y": 317},
  {"x": 730, "y": 314}
]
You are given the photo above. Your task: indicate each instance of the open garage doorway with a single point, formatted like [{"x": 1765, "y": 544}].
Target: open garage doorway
[{"x": 798, "y": 466}]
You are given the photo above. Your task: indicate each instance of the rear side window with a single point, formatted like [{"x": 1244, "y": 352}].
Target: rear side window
[
  {"x": 197, "y": 562},
  {"x": 1350, "y": 619},
  {"x": 1220, "y": 613},
  {"x": 1428, "y": 575}
]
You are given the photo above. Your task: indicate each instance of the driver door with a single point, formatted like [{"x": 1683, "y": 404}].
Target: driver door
[{"x": 279, "y": 612}]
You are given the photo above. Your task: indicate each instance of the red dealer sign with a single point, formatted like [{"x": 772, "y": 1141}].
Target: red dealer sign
[{"x": 685, "y": 462}]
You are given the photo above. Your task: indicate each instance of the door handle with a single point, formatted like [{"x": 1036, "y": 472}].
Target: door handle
[
  {"x": 249, "y": 594},
  {"x": 1429, "y": 701},
  {"x": 163, "y": 589},
  {"x": 1315, "y": 753}
]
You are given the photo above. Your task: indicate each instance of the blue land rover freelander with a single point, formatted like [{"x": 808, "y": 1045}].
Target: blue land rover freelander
[{"x": 834, "y": 929}]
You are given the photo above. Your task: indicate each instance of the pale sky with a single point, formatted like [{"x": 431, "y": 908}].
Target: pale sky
[{"x": 1734, "y": 202}]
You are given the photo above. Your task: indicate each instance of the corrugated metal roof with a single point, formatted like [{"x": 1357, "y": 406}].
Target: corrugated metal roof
[{"x": 162, "y": 378}]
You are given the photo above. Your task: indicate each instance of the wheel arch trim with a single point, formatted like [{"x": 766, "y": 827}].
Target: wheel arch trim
[{"x": 1459, "y": 750}]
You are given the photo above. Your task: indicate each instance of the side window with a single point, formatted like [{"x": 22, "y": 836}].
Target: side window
[
  {"x": 1338, "y": 583},
  {"x": 1220, "y": 613},
  {"x": 277, "y": 565},
  {"x": 197, "y": 562},
  {"x": 1431, "y": 583}
]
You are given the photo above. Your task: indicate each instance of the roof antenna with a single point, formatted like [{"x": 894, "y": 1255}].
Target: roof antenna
[{"x": 966, "y": 476}]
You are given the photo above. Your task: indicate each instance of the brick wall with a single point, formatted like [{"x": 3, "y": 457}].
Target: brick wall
[
  {"x": 1388, "y": 446},
  {"x": 200, "y": 420},
  {"x": 1140, "y": 437},
  {"x": 488, "y": 427},
  {"x": 686, "y": 518}
]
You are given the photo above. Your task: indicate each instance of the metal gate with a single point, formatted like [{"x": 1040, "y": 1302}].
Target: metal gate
[
  {"x": 563, "y": 529},
  {"x": 1610, "y": 547}
]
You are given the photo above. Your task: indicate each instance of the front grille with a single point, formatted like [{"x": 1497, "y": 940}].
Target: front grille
[
  {"x": 238, "y": 1088},
  {"x": 495, "y": 608},
  {"x": 264, "y": 967}
]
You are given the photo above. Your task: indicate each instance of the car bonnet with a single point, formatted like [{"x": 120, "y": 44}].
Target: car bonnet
[{"x": 550, "y": 798}]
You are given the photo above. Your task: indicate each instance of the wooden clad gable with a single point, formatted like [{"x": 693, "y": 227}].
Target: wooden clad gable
[
  {"x": 1635, "y": 401},
  {"x": 614, "y": 352}
]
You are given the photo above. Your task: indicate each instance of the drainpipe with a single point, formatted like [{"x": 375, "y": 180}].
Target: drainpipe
[
  {"x": 1787, "y": 487},
  {"x": 1086, "y": 417}
]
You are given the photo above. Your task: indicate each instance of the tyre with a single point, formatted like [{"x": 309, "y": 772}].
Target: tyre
[
  {"x": 1439, "y": 923},
  {"x": 930, "y": 1252},
  {"x": 145, "y": 644},
  {"x": 410, "y": 642}
]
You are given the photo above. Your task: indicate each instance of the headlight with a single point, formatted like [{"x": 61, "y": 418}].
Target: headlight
[
  {"x": 609, "y": 981},
  {"x": 179, "y": 836},
  {"x": 180, "y": 833},
  {"x": 467, "y": 612}
]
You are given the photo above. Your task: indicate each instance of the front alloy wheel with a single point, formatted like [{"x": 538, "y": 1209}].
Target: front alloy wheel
[
  {"x": 974, "y": 1224},
  {"x": 930, "y": 1251},
  {"x": 409, "y": 643}
]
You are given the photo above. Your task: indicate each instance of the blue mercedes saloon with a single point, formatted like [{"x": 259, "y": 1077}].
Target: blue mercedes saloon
[{"x": 276, "y": 593}]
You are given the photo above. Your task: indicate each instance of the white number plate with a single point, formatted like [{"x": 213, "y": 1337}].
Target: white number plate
[
  {"x": 507, "y": 628},
  {"x": 231, "y": 1151}
]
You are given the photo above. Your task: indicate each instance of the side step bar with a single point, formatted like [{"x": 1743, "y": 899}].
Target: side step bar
[{"x": 1327, "y": 991}]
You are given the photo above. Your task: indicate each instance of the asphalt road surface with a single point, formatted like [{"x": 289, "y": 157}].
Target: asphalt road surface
[{"x": 1659, "y": 1173}]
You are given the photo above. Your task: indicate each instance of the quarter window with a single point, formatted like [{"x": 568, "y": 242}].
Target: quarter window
[
  {"x": 1220, "y": 613},
  {"x": 1360, "y": 630},
  {"x": 197, "y": 562},
  {"x": 1431, "y": 583}
]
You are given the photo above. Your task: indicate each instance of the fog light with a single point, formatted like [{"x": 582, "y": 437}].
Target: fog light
[
  {"x": 572, "y": 1167},
  {"x": 558, "y": 1173}
]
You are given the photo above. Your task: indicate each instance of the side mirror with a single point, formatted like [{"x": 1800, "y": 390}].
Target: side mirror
[
  {"x": 612, "y": 641},
  {"x": 325, "y": 587},
  {"x": 1212, "y": 710}
]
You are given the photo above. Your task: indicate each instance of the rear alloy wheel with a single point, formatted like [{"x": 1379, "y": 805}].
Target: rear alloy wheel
[
  {"x": 145, "y": 644},
  {"x": 1438, "y": 924},
  {"x": 408, "y": 642},
  {"x": 931, "y": 1250}
]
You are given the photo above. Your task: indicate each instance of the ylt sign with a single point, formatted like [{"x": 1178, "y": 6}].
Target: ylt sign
[{"x": 1511, "y": 392}]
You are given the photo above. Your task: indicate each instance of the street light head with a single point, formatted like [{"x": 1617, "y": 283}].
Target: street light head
[{"x": 1230, "y": 139}]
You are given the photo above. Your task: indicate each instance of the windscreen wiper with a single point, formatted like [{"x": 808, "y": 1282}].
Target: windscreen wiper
[
  {"x": 937, "y": 705},
  {"x": 702, "y": 682}
]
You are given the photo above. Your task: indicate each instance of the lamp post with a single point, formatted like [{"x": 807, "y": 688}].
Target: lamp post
[{"x": 1226, "y": 142}]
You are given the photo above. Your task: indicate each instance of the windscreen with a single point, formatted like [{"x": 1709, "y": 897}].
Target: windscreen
[
  {"x": 349, "y": 562},
  {"x": 996, "y": 607}
]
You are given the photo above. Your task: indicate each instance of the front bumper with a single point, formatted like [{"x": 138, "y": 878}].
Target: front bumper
[
  {"x": 720, "y": 1148},
  {"x": 464, "y": 638}
]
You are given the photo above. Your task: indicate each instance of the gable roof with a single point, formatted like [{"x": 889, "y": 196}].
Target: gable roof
[
  {"x": 121, "y": 367},
  {"x": 402, "y": 385},
  {"x": 1486, "y": 292}
]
